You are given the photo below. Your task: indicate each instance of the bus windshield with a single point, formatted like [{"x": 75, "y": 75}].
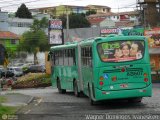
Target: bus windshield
[{"x": 121, "y": 51}]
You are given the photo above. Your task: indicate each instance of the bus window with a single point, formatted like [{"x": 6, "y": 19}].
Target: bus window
[
  {"x": 70, "y": 57},
  {"x": 65, "y": 57},
  {"x": 118, "y": 51},
  {"x": 61, "y": 57},
  {"x": 74, "y": 57},
  {"x": 56, "y": 55},
  {"x": 86, "y": 56}
]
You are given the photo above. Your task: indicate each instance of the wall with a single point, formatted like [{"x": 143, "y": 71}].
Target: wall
[
  {"x": 7, "y": 44},
  {"x": 81, "y": 33}
]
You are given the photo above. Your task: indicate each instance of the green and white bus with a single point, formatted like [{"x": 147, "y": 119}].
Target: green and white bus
[{"x": 104, "y": 68}]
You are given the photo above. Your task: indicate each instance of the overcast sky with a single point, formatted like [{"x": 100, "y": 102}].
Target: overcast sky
[{"x": 116, "y": 5}]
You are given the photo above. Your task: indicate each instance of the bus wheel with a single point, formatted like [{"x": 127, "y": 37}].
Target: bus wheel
[
  {"x": 135, "y": 100},
  {"x": 60, "y": 90},
  {"x": 90, "y": 97},
  {"x": 75, "y": 85}
]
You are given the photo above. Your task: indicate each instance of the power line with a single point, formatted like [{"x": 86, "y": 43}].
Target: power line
[
  {"x": 32, "y": 2},
  {"x": 127, "y": 6},
  {"x": 53, "y": 3},
  {"x": 2, "y": 1},
  {"x": 19, "y": 3},
  {"x": 12, "y": 7}
]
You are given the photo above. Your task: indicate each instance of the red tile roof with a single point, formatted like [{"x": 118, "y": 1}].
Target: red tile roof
[
  {"x": 95, "y": 21},
  {"x": 102, "y": 15},
  {"x": 113, "y": 14},
  {"x": 97, "y": 18},
  {"x": 124, "y": 24},
  {"x": 129, "y": 13},
  {"x": 98, "y": 6},
  {"x": 8, "y": 35}
]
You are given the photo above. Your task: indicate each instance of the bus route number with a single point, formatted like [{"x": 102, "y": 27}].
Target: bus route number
[{"x": 134, "y": 73}]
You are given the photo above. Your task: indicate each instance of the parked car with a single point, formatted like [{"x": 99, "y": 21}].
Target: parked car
[
  {"x": 36, "y": 69},
  {"x": 6, "y": 73},
  {"x": 16, "y": 70}
]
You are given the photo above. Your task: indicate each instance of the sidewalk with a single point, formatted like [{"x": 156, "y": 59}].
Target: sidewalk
[{"x": 16, "y": 99}]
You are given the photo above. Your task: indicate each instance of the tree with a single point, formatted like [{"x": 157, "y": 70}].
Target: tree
[
  {"x": 39, "y": 24},
  {"x": 151, "y": 15},
  {"x": 23, "y": 12},
  {"x": 75, "y": 21},
  {"x": 35, "y": 40},
  {"x": 90, "y": 12}
]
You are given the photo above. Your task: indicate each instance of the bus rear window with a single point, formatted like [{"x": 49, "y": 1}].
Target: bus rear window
[{"x": 118, "y": 51}]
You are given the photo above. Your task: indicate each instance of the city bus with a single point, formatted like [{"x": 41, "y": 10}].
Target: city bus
[{"x": 104, "y": 68}]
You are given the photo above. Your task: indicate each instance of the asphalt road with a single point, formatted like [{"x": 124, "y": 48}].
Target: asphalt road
[{"x": 48, "y": 104}]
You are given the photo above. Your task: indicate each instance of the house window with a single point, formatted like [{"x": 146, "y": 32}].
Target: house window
[
  {"x": 13, "y": 41},
  {"x": 20, "y": 24}
]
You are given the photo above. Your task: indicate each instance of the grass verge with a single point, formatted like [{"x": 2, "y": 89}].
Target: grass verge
[{"x": 6, "y": 109}]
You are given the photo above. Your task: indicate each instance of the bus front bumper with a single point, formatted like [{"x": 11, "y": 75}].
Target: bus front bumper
[{"x": 122, "y": 94}]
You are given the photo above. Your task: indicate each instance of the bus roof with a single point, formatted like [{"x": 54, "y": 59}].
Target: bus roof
[
  {"x": 93, "y": 39},
  {"x": 66, "y": 45}
]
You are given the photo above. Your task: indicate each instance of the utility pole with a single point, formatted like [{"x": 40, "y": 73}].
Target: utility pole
[
  {"x": 159, "y": 6},
  {"x": 67, "y": 24}
]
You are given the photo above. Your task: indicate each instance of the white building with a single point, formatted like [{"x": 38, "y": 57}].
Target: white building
[
  {"x": 18, "y": 25},
  {"x": 109, "y": 19},
  {"x": 21, "y": 25},
  {"x": 3, "y": 21}
]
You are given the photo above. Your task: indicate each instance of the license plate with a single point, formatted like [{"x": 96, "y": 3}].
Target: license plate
[{"x": 123, "y": 85}]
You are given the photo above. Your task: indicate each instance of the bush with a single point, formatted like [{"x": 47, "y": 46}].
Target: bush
[{"x": 33, "y": 80}]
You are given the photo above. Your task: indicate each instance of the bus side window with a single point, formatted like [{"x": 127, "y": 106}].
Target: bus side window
[
  {"x": 60, "y": 57},
  {"x": 56, "y": 58},
  {"x": 66, "y": 57},
  {"x": 86, "y": 58},
  {"x": 74, "y": 56},
  {"x": 86, "y": 55},
  {"x": 52, "y": 59},
  {"x": 82, "y": 56},
  {"x": 90, "y": 57}
]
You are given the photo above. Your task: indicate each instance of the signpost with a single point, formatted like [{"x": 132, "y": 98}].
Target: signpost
[
  {"x": 55, "y": 32},
  {"x": 133, "y": 32},
  {"x": 2, "y": 54},
  {"x": 107, "y": 31},
  {"x": 3, "y": 59}
]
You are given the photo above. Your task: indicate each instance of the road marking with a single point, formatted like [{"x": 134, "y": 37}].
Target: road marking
[
  {"x": 38, "y": 102},
  {"x": 27, "y": 112}
]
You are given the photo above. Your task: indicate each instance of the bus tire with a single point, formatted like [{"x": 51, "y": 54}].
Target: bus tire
[
  {"x": 90, "y": 97},
  {"x": 60, "y": 90},
  {"x": 135, "y": 100},
  {"x": 75, "y": 86}
]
